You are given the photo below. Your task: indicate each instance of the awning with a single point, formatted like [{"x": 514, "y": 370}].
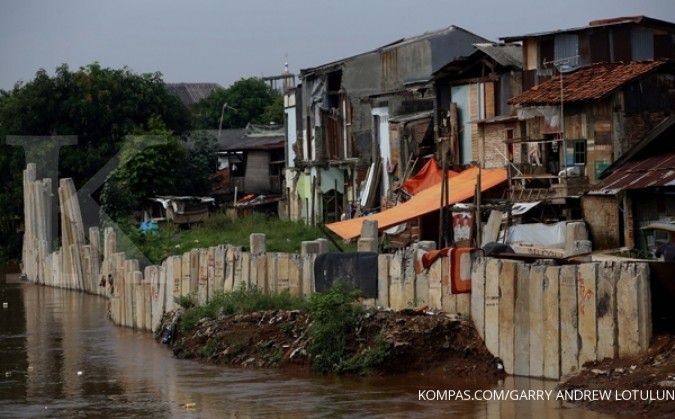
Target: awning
[{"x": 461, "y": 187}]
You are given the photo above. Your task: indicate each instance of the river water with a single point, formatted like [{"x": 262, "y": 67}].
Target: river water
[{"x": 60, "y": 356}]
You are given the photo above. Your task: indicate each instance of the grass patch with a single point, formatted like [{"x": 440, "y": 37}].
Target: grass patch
[
  {"x": 243, "y": 300},
  {"x": 282, "y": 235},
  {"x": 334, "y": 314}
]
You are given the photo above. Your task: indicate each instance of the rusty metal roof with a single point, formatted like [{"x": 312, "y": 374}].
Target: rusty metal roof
[
  {"x": 588, "y": 83},
  {"x": 640, "y": 174}
]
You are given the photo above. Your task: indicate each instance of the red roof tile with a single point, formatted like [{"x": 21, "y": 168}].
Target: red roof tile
[{"x": 588, "y": 83}]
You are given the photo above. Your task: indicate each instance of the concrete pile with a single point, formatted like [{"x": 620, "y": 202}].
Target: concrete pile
[
  {"x": 541, "y": 320},
  {"x": 547, "y": 321}
]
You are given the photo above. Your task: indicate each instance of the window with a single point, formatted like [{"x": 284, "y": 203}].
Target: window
[{"x": 580, "y": 152}]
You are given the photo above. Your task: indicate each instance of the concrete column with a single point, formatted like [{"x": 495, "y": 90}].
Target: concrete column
[
  {"x": 272, "y": 276},
  {"x": 185, "y": 274},
  {"x": 308, "y": 273},
  {"x": 383, "y": 280},
  {"x": 448, "y": 299},
  {"x": 551, "y": 319},
  {"x": 369, "y": 229},
  {"x": 435, "y": 281},
  {"x": 307, "y": 247},
  {"x": 396, "y": 299},
  {"x": 324, "y": 246},
  {"x": 211, "y": 272},
  {"x": 536, "y": 305},
  {"x": 203, "y": 277},
  {"x": 608, "y": 276},
  {"x": 633, "y": 309},
  {"x": 569, "y": 320},
  {"x": 245, "y": 263},
  {"x": 258, "y": 244},
  {"x": 478, "y": 295},
  {"x": 295, "y": 274},
  {"x": 587, "y": 275},
  {"x": 492, "y": 273},
  {"x": 219, "y": 272},
  {"x": 367, "y": 245},
  {"x": 507, "y": 305},
  {"x": 521, "y": 320}
]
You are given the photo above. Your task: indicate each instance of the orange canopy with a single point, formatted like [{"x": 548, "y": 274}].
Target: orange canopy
[
  {"x": 429, "y": 175},
  {"x": 461, "y": 187}
]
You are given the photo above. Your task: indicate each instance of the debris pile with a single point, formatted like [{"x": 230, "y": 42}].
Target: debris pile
[{"x": 416, "y": 340}]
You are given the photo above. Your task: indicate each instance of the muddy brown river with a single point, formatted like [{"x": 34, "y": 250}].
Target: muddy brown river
[{"x": 61, "y": 357}]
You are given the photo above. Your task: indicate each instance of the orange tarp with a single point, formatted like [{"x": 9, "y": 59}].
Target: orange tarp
[
  {"x": 429, "y": 175},
  {"x": 461, "y": 186}
]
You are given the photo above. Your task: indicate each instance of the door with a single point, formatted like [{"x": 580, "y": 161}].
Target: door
[{"x": 460, "y": 96}]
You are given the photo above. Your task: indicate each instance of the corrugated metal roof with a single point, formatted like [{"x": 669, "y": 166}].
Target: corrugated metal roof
[
  {"x": 191, "y": 93},
  {"x": 624, "y": 20},
  {"x": 588, "y": 83},
  {"x": 647, "y": 173},
  {"x": 508, "y": 55},
  {"x": 253, "y": 137}
]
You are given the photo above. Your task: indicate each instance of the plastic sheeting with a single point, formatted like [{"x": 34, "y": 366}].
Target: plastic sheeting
[
  {"x": 538, "y": 234},
  {"x": 429, "y": 175},
  {"x": 461, "y": 187},
  {"x": 358, "y": 269}
]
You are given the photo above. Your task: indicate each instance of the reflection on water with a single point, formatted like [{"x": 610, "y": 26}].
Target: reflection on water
[{"x": 59, "y": 356}]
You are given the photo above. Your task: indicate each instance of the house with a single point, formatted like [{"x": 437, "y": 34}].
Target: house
[
  {"x": 343, "y": 155},
  {"x": 613, "y": 40},
  {"x": 191, "y": 93},
  {"x": 610, "y": 82},
  {"x": 250, "y": 160},
  {"x": 480, "y": 86},
  {"x": 637, "y": 190}
]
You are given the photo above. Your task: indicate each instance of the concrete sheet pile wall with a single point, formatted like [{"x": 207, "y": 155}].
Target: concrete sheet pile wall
[{"x": 547, "y": 321}]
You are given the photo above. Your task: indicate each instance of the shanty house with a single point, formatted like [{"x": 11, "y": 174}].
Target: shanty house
[
  {"x": 637, "y": 190},
  {"x": 343, "y": 155},
  {"x": 250, "y": 160}
]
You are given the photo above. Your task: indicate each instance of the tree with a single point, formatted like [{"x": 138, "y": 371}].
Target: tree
[
  {"x": 99, "y": 105},
  {"x": 248, "y": 100}
]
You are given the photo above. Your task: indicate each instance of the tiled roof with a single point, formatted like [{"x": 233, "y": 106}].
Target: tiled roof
[{"x": 588, "y": 83}]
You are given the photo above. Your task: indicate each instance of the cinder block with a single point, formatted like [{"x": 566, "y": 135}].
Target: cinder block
[
  {"x": 492, "y": 273},
  {"x": 551, "y": 314},
  {"x": 478, "y": 295},
  {"x": 569, "y": 320},
  {"x": 587, "y": 275}
]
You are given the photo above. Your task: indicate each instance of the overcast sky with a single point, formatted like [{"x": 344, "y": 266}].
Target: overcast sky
[{"x": 224, "y": 40}]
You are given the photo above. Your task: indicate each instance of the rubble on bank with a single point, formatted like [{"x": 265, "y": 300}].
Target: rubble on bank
[
  {"x": 651, "y": 370},
  {"x": 400, "y": 341}
]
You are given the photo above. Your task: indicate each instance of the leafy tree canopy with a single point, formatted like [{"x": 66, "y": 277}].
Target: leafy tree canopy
[
  {"x": 248, "y": 100},
  {"x": 99, "y": 105}
]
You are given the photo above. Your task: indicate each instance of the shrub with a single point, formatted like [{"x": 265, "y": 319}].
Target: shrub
[
  {"x": 246, "y": 299},
  {"x": 334, "y": 313}
]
